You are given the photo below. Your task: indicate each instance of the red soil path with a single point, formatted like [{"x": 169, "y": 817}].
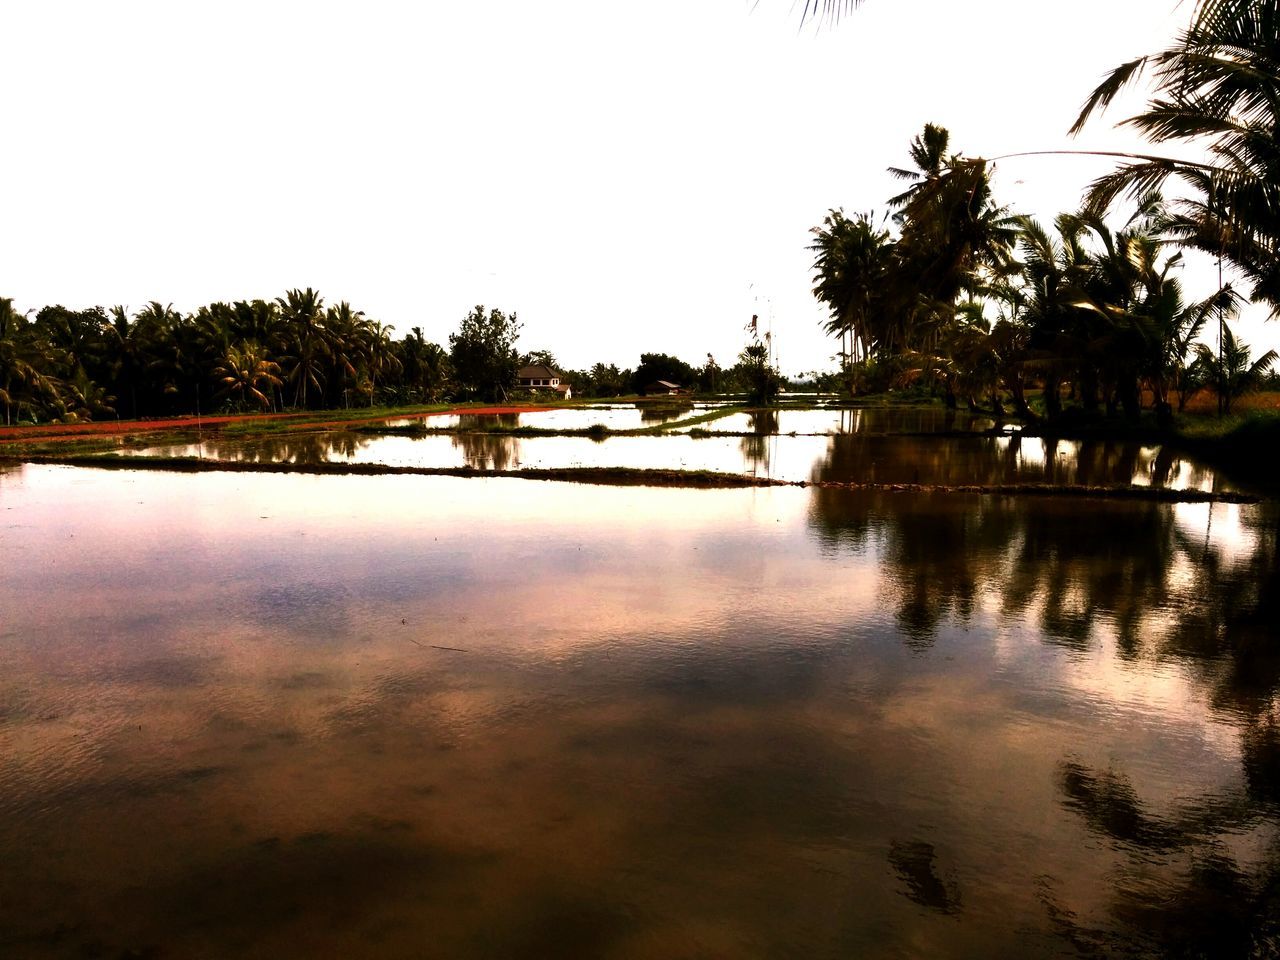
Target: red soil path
[{"x": 81, "y": 431}]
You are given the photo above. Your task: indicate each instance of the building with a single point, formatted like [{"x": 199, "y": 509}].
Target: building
[
  {"x": 539, "y": 376},
  {"x": 664, "y": 388}
]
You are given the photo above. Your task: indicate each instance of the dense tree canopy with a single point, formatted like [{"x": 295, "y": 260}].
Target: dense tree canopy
[
  {"x": 963, "y": 294},
  {"x": 483, "y": 353}
]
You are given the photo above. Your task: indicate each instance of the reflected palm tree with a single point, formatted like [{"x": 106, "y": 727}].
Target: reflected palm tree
[{"x": 1199, "y": 876}]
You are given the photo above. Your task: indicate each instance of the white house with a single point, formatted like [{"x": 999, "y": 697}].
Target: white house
[{"x": 539, "y": 376}]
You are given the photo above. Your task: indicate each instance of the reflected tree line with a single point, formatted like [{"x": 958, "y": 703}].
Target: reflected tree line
[
  {"x": 872, "y": 457},
  {"x": 1173, "y": 594}
]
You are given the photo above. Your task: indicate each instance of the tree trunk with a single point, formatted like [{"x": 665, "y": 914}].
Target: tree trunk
[
  {"x": 1089, "y": 388},
  {"x": 1052, "y": 396}
]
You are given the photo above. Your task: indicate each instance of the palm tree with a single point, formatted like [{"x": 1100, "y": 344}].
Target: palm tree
[
  {"x": 379, "y": 357},
  {"x": 347, "y": 337},
  {"x": 1232, "y": 372},
  {"x": 929, "y": 153},
  {"x": 23, "y": 360},
  {"x": 302, "y": 313},
  {"x": 850, "y": 271},
  {"x": 244, "y": 372},
  {"x": 1218, "y": 84},
  {"x": 1054, "y": 272}
]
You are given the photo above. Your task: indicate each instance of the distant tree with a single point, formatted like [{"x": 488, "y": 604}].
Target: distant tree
[
  {"x": 539, "y": 357},
  {"x": 602, "y": 380},
  {"x": 424, "y": 368},
  {"x": 660, "y": 366},
  {"x": 710, "y": 375},
  {"x": 310, "y": 348},
  {"x": 761, "y": 378},
  {"x": 483, "y": 353},
  {"x": 24, "y": 362},
  {"x": 1234, "y": 373}
]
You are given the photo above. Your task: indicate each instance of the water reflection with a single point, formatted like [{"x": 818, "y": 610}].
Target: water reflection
[
  {"x": 651, "y": 413},
  {"x": 487, "y": 451},
  {"x": 876, "y": 458},
  {"x": 429, "y": 717},
  {"x": 757, "y": 445},
  {"x": 1197, "y": 869}
]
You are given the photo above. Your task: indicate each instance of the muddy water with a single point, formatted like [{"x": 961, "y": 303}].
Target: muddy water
[{"x": 276, "y": 716}]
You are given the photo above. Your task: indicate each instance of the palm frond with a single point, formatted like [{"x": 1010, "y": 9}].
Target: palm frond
[{"x": 1108, "y": 90}]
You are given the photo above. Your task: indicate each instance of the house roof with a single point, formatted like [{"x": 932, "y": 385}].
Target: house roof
[
  {"x": 537, "y": 371},
  {"x": 665, "y": 383}
]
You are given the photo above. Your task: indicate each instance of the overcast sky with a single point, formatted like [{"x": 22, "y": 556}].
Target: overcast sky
[{"x": 627, "y": 177}]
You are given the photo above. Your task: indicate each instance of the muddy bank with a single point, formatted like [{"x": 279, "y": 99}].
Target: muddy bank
[{"x": 614, "y": 476}]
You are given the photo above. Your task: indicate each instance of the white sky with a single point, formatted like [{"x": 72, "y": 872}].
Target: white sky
[{"x": 627, "y": 177}]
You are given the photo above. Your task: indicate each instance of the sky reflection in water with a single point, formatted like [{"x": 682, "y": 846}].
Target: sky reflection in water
[
  {"x": 862, "y": 446},
  {"x": 403, "y": 716}
]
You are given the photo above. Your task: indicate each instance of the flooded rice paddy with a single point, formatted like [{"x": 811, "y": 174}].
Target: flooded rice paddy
[
  {"x": 883, "y": 446},
  {"x": 253, "y": 715}
]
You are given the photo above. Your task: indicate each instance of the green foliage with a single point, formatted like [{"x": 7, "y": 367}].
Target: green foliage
[
  {"x": 1084, "y": 309},
  {"x": 1215, "y": 86},
  {"x": 660, "y": 366},
  {"x": 483, "y": 355},
  {"x": 760, "y": 377},
  {"x": 540, "y": 357},
  {"x": 251, "y": 354},
  {"x": 1232, "y": 371}
]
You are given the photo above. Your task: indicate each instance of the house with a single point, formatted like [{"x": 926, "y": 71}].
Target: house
[
  {"x": 664, "y": 388},
  {"x": 539, "y": 376}
]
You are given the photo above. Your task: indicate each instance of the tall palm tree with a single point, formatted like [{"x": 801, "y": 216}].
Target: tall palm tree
[
  {"x": 379, "y": 358},
  {"x": 23, "y": 362},
  {"x": 347, "y": 338},
  {"x": 302, "y": 311},
  {"x": 852, "y": 257},
  {"x": 1218, "y": 87},
  {"x": 929, "y": 153},
  {"x": 1054, "y": 273}
]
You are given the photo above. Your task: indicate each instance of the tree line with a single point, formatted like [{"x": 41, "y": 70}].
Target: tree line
[
  {"x": 954, "y": 289},
  {"x": 293, "y": 352}
]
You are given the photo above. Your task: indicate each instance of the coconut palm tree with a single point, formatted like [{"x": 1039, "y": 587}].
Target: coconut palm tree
[
  {"x": 852, "y": 258},
  {"x": 23, "y": 362},
  {"x": 1231, "y": 371},
  {"x": 243, "y": 374},
  {"x": 1054, "y": 272},
  {"x": 929, "y": 153},
  {"x": 302, "y": 312},
  {"x": 1218, "y": 87}
]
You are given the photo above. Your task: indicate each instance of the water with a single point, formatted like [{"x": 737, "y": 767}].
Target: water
[
  {"x": 891, "y": 446},
  {"x": 398, "y": 716}
]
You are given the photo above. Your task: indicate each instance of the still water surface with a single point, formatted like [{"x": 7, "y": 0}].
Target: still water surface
[
  {"x": 881, "y": 446},
  {"x": 281, "y": 715}
]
